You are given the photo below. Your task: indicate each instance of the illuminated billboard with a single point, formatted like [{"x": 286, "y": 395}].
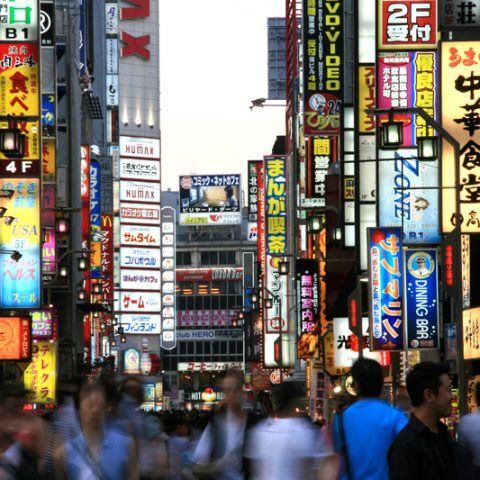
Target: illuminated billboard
[
  {"x": 41, "y": 375},
  {"x": 15, "y": 338},
  {"x": 210, "y": 200}
]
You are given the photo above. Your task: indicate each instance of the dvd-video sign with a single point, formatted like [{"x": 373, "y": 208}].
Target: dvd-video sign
[{"x": 210, "y": 200}]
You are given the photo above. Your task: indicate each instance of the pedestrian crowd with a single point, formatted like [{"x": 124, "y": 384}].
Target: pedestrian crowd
[{"x": 99, "y": 432}]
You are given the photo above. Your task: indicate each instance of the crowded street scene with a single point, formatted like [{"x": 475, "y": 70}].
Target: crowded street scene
[{"x": 238, "y": 240}]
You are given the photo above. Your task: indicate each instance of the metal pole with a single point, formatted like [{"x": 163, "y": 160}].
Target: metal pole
[{"x": 281, "y": 338}]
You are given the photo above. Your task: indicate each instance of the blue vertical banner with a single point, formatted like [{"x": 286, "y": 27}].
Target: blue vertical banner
[
  {"x": 421, "y": 298},
  {"x": 385, "y": 288},
  {"x": 95, "y": 219}
]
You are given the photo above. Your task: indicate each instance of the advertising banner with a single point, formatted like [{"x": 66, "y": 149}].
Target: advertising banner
[
  {"x": 323, "y": 66},
  {"x": 139, "y": 191},
  {"x": 49, "y": 265},
  {"x": 48, "y": 115},
  {"x": 421, "y": 313},
  {"x": 20, "y": 278},
  {"x": 321, "y": 152},
  {"x": 205, "y": 318},
  {"x": 408, "y": 79},
  {"x": 41, "y": 375},
  {"x": 42, "y": 325},
  {"x": 19, "y": 21},
  {"x": 407, "y": 24},
  {"x": 366, "y": 98},
  {"x": 385, "y": 288},
  {"x": 136, "y": 169},
  {"x": 48, "y": 160},
  {"x": 47, "y": 24},
  {"x": 95, "y": 219},
  {"x": 460, "y": 98},
  {"x": 208, "y": 274},
  {"x": 107, "y": 256},
  {"x": 459, "y": 13},
  {"x": 210, "y": 200},
  {"x": 141, "y": 324},
  {"x": 136, "y": 147},
  {"x": 471, "y": 333},
  {"x": 413, "y": 184},
  {"x": 140, "y": 235},
  {"x": 136, "y": 301},
  {"x": 308, "y": 308},
  {"x": 140, "y": 257},
  {"x": 253, "y": 167},
  {"x": 346, "y": 344},
  {"x": 15, "y": 339},
  {"x": 139, "y": 213},
  {"x": 140, "y": 279},
  {"x": 208, "y": 366}
]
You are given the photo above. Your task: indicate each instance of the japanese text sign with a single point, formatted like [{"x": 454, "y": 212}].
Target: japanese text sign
[
  {"x": 19, "y": 20},
  {"x": 460, "y": 117},
  {"x": 385, "y": 288},
  {"x": 321, "y": 152},
  {"x": 276, "y": 205},
  {"x": 253, "y": 166},
  {"x": 40, "y": 376},
  {"x": 421, "y": 298},
  {"x": 459, "y": 13},
  {"x": 471, "y": 333},
  {"x": 42, "y": 325},
  {"x": 366, "y": 98},
  {"x": 407, "y": 24},
  {"x": 15, "y": 338}
]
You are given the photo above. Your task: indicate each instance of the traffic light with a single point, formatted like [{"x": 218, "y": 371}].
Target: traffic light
[{"x": 251, "y": 298}]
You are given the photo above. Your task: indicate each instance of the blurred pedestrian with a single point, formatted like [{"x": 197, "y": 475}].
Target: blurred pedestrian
[
  {"x": 97, "y": 451},
  {"x": 424, "y": 450},
  {"x": 364, "y": 432},
  {"x": 469, "y": 434},
  {"x": 219, "y": 453},
  {"x": 287, "y": 445}
]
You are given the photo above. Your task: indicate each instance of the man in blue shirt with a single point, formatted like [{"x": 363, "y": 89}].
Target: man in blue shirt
[{"x": 364, "y": 432}]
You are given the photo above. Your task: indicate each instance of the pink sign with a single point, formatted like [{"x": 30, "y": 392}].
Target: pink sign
[{"x": 205, "y": 318}]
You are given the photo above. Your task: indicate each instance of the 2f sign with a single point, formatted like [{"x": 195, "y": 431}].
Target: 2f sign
[{"x": 408, "y": 24}]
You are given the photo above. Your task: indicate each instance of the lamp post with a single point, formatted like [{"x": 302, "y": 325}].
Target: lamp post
[{"x": 392, "y": 131}]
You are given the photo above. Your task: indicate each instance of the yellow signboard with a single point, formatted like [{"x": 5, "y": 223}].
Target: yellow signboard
[{"x": 40, "y": 376}]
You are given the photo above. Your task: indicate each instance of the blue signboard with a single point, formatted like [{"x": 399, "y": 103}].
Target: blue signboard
[
  {"x": 408, "y": 195},
  {"x": 276, "y": 205},
  {"x": 421, "y": 298},
  {"x": 95, "y": 214},
  {"x": 385, "y": 288}
]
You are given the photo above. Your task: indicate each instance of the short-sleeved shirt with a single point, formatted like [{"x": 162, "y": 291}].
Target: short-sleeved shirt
[{"x": 370, "y": 427}]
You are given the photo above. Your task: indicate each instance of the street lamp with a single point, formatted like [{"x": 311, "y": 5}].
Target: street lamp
[
  {"x": 314, "y": 224},
  {"x": 425, "y": 151}
]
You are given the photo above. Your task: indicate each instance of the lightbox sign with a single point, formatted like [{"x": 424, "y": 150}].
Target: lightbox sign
[
  {"x": 141, "y": 323},
  {"x": 140, "y": 235},
  {"x": 323, "y": 66},
  {"x": 204, "y": 318},
  {"x": 136, "y": 169},
  {"x": 421, "y": 298},
  {"x": 459, "y": 13},
  {"x": 366, "y": 98},
  {"x": 385, "y": 288},
  {"x": 308, "y": 308},
  {"x": 47, "y": 24},
  {"x": 20, "y": 280},
  {"x": 460, "y": 98},
  {"x": 407, "y": 24},
  {"x": 139, "y": 213},
  {"x": 140, "y": 279},
  {"x": 40, "y": 377},
  {"x": 253, "y": 166},
  {"x": 321, "y": 152},
  {"x": 471, "y": 333},
  {"x": 136, "y": 147},
  {"x": 276, "y": 205},
  {"x": 19, "y": 21},
  {"x": 408, "y": 79},
  {"x": 210, "y": 200},
  {"x": 408, "y": 195},
  {"x": 42, "y": 325},
  {"x": 139, "y": 191},
  {"x": 136, "y": 301},
  {"x": 140, "y": 257},
  {"x": 208, "y": 274},
  {"x": 15, "y": 339}
]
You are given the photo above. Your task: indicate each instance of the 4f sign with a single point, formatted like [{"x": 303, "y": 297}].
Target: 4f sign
[{"x": 407, "y": 24}]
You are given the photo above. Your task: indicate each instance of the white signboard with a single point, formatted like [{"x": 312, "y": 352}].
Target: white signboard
[
  {"x": 208, "y": 366},
  {"x": 134, "y": 147},
  {"x": 141, "y": 323},
  {"x": 112, "y": 55},
  {"x": 112, "y": 90},
  {"x": 135, "y": 169},
  {"x": 140, "y": 257},
  {"x": 139, "y": 191},
  {"x": 111, "y": 18},
  {"x": 19, "y": 21},
  {"x": 141, "y": 235},
  {"x": 140, "y": 213},
  {"x": 140, "y": 279},
  {"x": 131, "y": 301}
]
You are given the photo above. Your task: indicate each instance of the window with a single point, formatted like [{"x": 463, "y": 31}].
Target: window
[{"x": 184, "y": 259}]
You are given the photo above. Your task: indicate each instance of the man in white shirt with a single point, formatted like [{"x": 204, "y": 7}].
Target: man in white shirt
[{"x": 219, "y": 453}]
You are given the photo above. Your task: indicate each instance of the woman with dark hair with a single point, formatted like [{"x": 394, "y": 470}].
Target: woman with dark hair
[{"x": 231, "y": 199}]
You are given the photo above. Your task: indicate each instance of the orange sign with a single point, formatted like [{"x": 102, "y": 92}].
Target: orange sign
[{"x": 15, "y": 338}]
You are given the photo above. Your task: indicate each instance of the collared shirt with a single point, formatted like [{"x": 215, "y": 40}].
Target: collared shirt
[
  {"x": 469, "y": 435},
  {"x": 419, "y": 453}
]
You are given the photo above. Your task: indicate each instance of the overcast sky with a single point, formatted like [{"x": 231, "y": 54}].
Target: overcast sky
[{"x": 213, "y": 62}]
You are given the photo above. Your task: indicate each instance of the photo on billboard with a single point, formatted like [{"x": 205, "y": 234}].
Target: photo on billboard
[{"x": 210, "y": 200}]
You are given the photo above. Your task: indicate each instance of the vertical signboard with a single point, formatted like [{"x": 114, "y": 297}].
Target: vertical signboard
[
  {"x": 41, "y": 374},
  {"x": 106, "y": 252},
  {"x": 421, "y": 298},
  {"x": 253, "y": 166},
  {"x": 95, "y": 219},
  {"x": 321, "y": 152},
  {"x": 385, "y": 288},
  {"x": 366, "y": 98},
  {"x": 471, "y": 333},
  {"x": 407, "y": 24},
  {"x": 460, "y": 98},
  {"x": 413, "y": 185},
  {"x": 169, "y": 339},
  {"x": 308, "y": 308},
  {"x": 323, "y": 66}
]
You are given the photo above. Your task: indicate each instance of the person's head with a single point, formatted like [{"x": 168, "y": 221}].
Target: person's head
[
  {"x": 13, "y": 396},
  {"x": 428, "y": 385},
  {"x": 420, "y": 262},
  {"x": 229, "y": 191},
  {"x": 367, "y": 375},
  {"x": 132, "y": 386},
  {"x": 232, "y": 386},
  {"x": 288, "y": 399},
  {"x": 93, "y": 405}
]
